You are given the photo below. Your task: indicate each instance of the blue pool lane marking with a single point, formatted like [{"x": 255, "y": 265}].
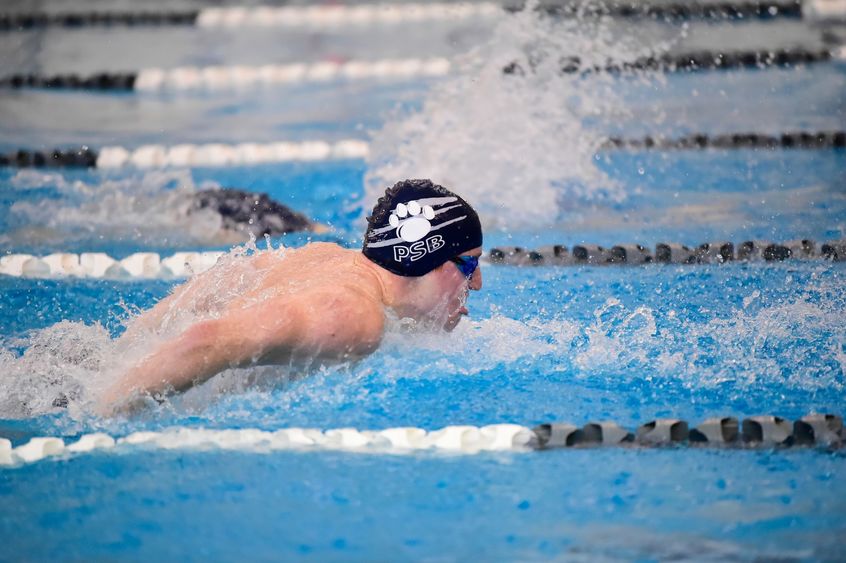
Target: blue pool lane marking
[{"x": 819, "y": 430}]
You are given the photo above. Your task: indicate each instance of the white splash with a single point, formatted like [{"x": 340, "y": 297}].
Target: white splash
[
  {"x": 520, "y": 148},
  {"x": 797, "y": 343},
  {"x": 61, "y": 362},
  {"x": 474, "y": 346},
  {"x": 72, "y": 363}
]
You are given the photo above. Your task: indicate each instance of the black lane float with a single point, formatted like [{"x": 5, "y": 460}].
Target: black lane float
[
  {"x": 767, "y": 431},
  {"x": 719, "y": 252},
  {"x": 688, "y": 62}
]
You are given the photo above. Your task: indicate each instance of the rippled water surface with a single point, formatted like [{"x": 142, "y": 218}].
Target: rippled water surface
[{"x": 541, "y": 344}]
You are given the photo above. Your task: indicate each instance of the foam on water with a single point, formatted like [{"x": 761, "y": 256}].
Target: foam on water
[
  {"x": 796, "y": 343},
  {"x": 520, "y": 147},
  {"x": 153, "y": 208}
]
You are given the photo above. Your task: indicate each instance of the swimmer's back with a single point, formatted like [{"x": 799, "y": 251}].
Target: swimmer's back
[
  {"x": 323, "y": 287},
  {"x": 319, "y": 267}
]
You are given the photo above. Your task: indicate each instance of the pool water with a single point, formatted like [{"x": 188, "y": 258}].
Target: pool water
[{"x": 541, "y": 344}]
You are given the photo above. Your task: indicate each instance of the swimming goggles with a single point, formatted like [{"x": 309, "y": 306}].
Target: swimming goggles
[{"x": 466, "y": 264}]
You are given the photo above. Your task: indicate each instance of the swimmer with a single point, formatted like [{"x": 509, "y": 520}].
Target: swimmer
[
  {"x": 322, "y": 303},
  {"x": 243, "y": 212},
  {"x": 216, "y": 216}
]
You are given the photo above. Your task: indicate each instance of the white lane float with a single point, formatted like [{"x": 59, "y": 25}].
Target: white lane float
[
  {"x": 338, "y": 15},
  {"x": 141, "y": 265},
  {"x": 242, "y": 77},
  {"x": 220, "y": 154}
]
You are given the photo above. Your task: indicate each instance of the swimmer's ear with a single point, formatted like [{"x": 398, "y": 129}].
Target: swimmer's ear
[{"x": 320, "y": 228}]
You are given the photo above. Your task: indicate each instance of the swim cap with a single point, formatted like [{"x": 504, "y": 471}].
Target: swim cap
[{"x": 417, "y": 226}]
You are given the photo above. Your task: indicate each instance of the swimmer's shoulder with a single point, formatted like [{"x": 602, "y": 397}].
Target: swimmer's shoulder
[{"x": 338, "y": 318}]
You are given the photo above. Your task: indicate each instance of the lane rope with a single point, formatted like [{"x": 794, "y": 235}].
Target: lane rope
[
  {"x": 220, "y": 154},
  {"x": 151, "y": 265},
  {"x": 99, "y": 265},
  {"x": 234, "y": 17},
  {"x": 787, "y": 140},
  {"x": 682, "y": 11},
  {"x": 333, "y": 16},
  {"x": 233, "y": 77},
  {"x": 186, "y": 154},
  {"x": 717, "y": 252},
  {"x": 694, "y": 61},
  {"x": 817, "y": 430},
  {"x": 217, "y": 78}
]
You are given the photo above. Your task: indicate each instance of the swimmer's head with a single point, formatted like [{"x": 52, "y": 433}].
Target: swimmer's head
[
  {"x": 417, "y": 226},
  {"x": 432, "y": 238}
]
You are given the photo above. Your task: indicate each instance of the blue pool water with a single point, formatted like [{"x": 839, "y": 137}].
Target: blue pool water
[{"x": 541, "y": 344}]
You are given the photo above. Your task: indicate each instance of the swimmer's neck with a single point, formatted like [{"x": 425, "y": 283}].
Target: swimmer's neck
[{"x": 393, "y": 289}]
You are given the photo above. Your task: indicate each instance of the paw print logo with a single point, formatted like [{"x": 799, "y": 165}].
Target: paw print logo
[{"x": 411, "y": 220}]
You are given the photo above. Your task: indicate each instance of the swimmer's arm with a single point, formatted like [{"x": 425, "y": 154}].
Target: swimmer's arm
[
  {"x": 203, "y": 350},
  {"x": 323, "y": 325}
]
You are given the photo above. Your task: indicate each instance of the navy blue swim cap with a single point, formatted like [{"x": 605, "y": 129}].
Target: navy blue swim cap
[{"x": 417, "y": 226}]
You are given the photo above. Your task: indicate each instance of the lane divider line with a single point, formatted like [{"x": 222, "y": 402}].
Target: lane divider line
[
  {"x": 816, "y": 430},
  {"x": 693, "y": 61},
  {"x": 218, "y": 78},
  {"x": 236, "y": 17},
  {"x": 186, "y": 154},
  {"x": 681, "y": 11},
  {"x": 335, "y": 16},
  {"x": 150, "y": 265},
  {"x": 98, "y": 265},
  {"x": 717, "y": 252},
  {"x": 236, "y": 77},
  {"x": 220, "y": 154},
  {"x": 787, "y": 140}
]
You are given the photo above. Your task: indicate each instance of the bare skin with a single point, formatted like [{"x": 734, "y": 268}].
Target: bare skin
[{"x": 320, "y": 302}]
